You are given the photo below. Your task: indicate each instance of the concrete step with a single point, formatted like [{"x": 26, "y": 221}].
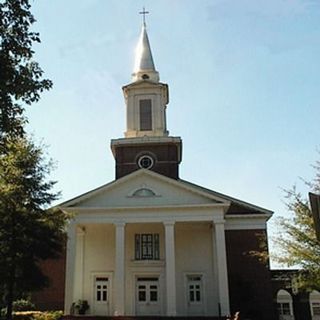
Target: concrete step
[{"x": 88, "y": 317}]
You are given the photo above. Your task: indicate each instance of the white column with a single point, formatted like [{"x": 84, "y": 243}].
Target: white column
[
  {"x": 70, "y": 266},
  {"x": 220, "y": 245},
  {"x": 170, "y": 268},
  {"x": 79, "y": 265},
  {"x": 120, "y": 270}
]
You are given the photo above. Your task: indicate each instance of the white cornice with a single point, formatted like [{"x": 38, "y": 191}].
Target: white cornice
[
  {"x": 246, "y": 221},
  {"x": 146, "y": 208},
  {"x": 265, "y": 216},
  {"x": 137, "y": 216}
]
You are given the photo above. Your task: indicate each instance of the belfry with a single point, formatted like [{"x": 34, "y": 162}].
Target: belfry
[{"x": 147, "y": 143}]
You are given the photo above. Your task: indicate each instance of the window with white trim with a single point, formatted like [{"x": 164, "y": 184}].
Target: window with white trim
[
  {"x": 315, "y": 308},
  {"x": 194, "y": 289},
  {"x": 147, "y": 246},
  {"x": 314, "y": 299},
  {"x": 284, "y": 304},
  {"x": 145, "y": 108},
  {"x": 101, "y": 286}
]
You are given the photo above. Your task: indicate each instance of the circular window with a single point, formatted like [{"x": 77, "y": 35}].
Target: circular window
[
  {"x": 145, "y": 77},
  {"x": 145, "y": 162}
]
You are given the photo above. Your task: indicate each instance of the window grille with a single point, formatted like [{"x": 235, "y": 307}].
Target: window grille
[
  {"x": 101, "y": 289},
  {"x": 194, "y": 289},
  {"x": 147, "y": 246},
  {"x": 316, "y": 308},
  {"x": 284, "y": 308}
]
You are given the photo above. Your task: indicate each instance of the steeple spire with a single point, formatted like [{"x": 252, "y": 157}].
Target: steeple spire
[{"x": 144, "y": 68}]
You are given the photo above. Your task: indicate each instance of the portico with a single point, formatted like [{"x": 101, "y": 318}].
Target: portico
[{"x": 170, "y": 224}]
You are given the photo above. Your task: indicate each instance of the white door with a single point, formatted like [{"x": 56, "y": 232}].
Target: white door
[
  {"x": 101, "y": 296},
  {"x": 195, "y": 299},
  {"x": 147, "y": 296}
]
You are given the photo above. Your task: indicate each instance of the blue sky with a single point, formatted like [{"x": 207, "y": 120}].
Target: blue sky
[{"x": 243, "y": 79}]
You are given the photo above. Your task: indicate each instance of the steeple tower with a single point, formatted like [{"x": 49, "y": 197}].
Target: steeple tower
[
  {"x": 146, "y": 97},
  {"x": 147, "y": 143}
]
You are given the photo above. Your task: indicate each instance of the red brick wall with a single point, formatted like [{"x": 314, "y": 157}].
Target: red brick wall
[
  {"x": 249, "y": 280},
  {"x": 52, "y": 298},
  {"x": 166, "y": 159}
]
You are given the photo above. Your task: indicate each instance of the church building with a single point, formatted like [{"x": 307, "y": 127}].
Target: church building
[{"x": 150, "y": 243}]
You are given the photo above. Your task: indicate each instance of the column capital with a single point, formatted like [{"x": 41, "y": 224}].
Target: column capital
[
  {"x": 81, "y": 230},
  {"x": 119, "y": 224},
  {"x": 218, "y": 221},
  {"x": 168, "y": 223}
]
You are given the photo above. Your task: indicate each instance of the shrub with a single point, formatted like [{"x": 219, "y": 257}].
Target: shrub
[
  {"x": 23, "y": 305},
  {"x": 49, "y": 315},
  {"x": 37, "y": 315}
]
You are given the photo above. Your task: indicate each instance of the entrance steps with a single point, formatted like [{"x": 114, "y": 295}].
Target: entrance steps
[{"x": 84, "y": 317}]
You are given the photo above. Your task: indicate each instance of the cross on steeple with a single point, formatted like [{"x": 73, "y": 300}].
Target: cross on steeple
[{"x": 144, "y": 12}]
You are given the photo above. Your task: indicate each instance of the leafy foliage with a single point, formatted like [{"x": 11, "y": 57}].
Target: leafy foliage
[
  {"x": 37, "y": 315},
  {"x": 299, "y": 245},
  {"x": 23, "y": 305},
  {"x": 29, "y": 232},
  {"x": 21, "y": 77}
]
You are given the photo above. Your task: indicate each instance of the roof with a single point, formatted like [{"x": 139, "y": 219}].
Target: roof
[
  {"x": 236, "y": 206},
  {"x": 143, "y": 59}
]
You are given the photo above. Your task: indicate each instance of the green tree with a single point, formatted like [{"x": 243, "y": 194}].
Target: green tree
[
  {"x": 29, "y": 232},
  {"x": 298, "y": 243},
  {"x": 21, "y": 78}
]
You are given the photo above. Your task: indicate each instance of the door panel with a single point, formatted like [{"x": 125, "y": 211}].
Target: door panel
[
  {"x": 101, "y": 296},
  {"x": 195, "y": 298},
  {"x": 147, "y": 296}
]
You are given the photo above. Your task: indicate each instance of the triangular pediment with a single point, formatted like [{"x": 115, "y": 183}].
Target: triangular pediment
[
  {"x": 144, "y": 84},
  {"x": 144, "y": 188}
]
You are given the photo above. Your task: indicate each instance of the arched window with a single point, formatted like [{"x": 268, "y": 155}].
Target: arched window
[
  {"x": 314, "y": 299},
  {"x": 143, "y": 192},
  {"x": 284, "y": 305}
]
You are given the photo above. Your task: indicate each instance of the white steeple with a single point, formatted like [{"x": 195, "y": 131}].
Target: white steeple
[
  {"x": 146, "y": 142},
  {"x": 144, "y": 68}
]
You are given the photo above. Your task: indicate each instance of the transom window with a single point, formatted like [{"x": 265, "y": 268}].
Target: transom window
[
  {"x": 145, "y": 114},
  {"x": 147, "y": 246}
]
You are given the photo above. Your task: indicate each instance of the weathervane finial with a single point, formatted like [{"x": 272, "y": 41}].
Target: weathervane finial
[{"x": 144, "y": 12}]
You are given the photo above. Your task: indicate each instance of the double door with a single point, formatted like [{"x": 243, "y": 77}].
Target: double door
[{"x": 148, "y": 296}]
